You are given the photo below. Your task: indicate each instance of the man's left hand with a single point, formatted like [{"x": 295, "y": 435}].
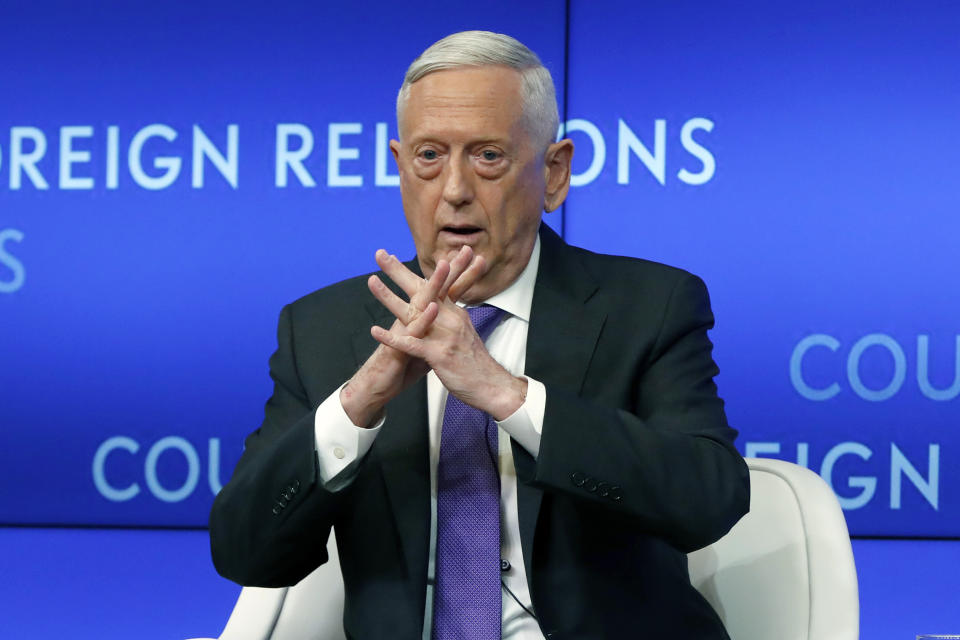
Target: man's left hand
[{"x": 452, "y": 348}]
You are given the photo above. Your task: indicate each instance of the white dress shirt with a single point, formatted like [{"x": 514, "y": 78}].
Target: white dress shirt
[{"x": 340, "y": 446}]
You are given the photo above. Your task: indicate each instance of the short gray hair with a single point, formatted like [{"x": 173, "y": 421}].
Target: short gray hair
[{"x": 485, "y": 48}]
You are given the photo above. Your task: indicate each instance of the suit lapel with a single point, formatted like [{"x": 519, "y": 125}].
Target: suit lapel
[
  {"x": 563, "y": 332},
  {"x": 403, "y": 451},
  {"x": 565, "y": 319}
]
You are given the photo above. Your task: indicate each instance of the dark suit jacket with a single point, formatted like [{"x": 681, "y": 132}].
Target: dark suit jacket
[{"x": 636, "y": 465}]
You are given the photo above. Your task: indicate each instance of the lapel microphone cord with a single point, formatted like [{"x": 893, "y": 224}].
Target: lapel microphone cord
[{"x": 517, "y": 600}]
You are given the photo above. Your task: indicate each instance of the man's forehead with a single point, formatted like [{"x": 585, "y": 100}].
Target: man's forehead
[{"x": 470, "y": 99}]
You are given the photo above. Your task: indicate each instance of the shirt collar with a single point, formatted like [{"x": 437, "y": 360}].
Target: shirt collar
[{"x": 518, "y": 297}]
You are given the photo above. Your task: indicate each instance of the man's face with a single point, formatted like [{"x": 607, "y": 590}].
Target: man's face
[{"x": 469, "y": 172}]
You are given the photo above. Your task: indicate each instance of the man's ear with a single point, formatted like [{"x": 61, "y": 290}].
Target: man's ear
[
  {"x": 395, "y": 149},
  {"x": 556, "y": 166}
]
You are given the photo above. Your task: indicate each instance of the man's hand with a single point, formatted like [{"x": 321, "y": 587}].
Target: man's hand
[
  {"x": 388, "y": 371},
  {"x": 442, "y": 337}
]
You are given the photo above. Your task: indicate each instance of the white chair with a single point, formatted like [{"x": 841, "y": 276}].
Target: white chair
[
  {"x": 784, "y": 572},
  {"x": 312, "y": 609}
]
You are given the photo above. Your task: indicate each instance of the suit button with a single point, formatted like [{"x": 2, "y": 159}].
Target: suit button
[
  {"x": 288, "y": 496},
  {"x": 578, "y": 478},
  {"x": 339, "y": 453},
  {"x": 296, "y": 485},
  {"x": 615, "y": 494},
  {"x": 292, "y": 490},
  {"x": 592, "y": 485},
  {"x": 276, "y": 511},
  {"x": 603, "y": 489}
]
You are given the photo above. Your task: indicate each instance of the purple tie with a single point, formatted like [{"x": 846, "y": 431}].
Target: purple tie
[{"x": 466, "y": 603}]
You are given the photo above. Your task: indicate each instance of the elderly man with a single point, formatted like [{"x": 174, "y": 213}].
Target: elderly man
[{"x": 512, "y": 437}]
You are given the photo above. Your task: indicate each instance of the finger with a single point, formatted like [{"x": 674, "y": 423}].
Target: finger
[
  {"x": 476, "y": 270},
  {"x": 434, "y": 285},
  {"x": 407, "y": 344},
  {"x": 458, "y": 265},
  {"x": 418, "y": 328},
  {"x": 398, "y": 272},
  {"x": 394, "y": 303}
]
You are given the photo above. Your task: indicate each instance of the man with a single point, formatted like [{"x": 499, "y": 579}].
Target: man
[{"x": 610, "y": 457}]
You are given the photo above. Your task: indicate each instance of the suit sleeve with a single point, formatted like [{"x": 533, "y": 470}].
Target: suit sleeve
[
  {"x": 666, "y": 460},
  {"x": 269, "y": 524}
]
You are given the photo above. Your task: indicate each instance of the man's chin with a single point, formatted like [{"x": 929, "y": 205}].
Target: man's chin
[{"x": 475, "y": 294}]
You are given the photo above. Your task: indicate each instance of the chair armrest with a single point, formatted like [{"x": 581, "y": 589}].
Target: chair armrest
[{"x": 254, "y": 615}]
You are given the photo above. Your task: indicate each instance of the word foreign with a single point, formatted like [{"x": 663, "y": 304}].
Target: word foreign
[
  {"x": 897, "y": 465},
  {"x": 28, "y": 148},
  {"x": 155, "y": 156}
]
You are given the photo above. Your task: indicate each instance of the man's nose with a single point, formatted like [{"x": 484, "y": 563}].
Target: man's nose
[{"x": 458, "y": 182}]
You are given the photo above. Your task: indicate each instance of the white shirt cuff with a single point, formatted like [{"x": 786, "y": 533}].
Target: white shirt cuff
[
  {"x": 525, "y": 425},
  {"x": 340, "y": 443}
]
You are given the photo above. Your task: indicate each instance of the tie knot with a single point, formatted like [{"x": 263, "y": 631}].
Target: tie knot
[{"x": 484, "y": 318}]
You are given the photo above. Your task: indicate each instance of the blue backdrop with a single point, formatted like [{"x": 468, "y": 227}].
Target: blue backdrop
[{"x": 170, "y": 178}]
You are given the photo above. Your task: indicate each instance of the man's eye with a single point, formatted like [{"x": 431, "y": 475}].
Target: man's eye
[
  {"x": 428, "y": 154},
  {"x": 490, "y": 156}
]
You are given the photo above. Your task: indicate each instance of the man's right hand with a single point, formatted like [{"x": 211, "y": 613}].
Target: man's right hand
[{"x": 388, "y": 371}]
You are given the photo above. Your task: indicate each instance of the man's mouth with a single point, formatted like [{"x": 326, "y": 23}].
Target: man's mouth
[{"x": 464, "y": 231}]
